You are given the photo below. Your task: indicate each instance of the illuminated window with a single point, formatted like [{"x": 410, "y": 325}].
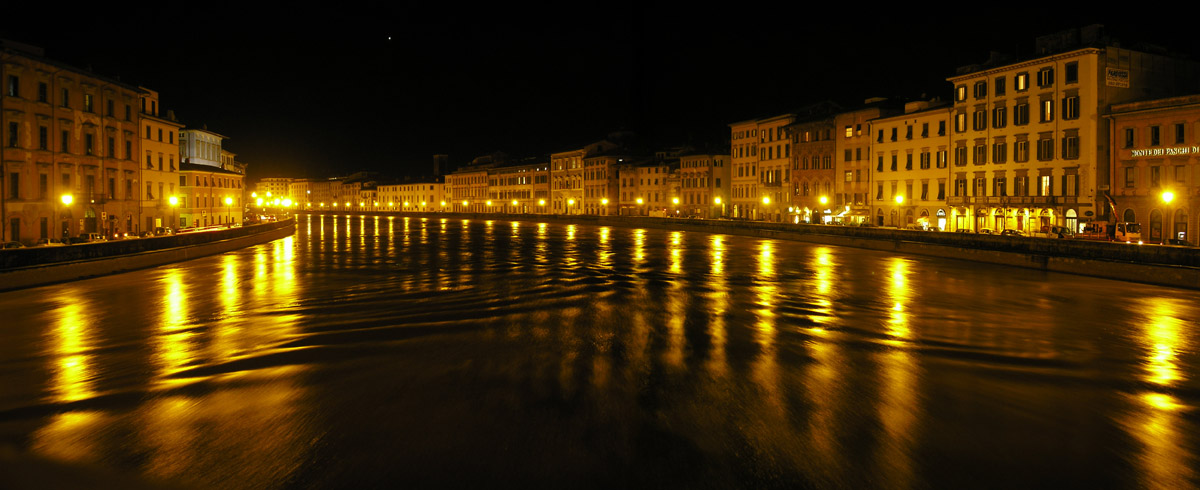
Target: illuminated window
[
  {"x": 1021, "y": 82},
  {"x": 960, "y": 93},
  {"x": 1047, "y": 112},
  {"x": 1045, "y": 186},
  {"x": 849, "y": 131},
  {"x": 87, "y": 103},
  {"x": 960, "y": 122}
]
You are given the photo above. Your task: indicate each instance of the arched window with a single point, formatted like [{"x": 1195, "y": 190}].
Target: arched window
[
  {"x": 1180, "y": 231},
  {"x": 1128, "y": 218},
  {"x": 1156, "y": 222},
  {"x": 1072, "y": 220}
]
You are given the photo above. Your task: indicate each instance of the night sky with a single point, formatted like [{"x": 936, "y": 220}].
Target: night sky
[{"x": 316, "y": 93}]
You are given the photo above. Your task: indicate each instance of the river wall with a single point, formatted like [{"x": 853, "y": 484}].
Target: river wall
[
  {"x": 1154, "y": 264},
  {"x": 36, "y": 266}
]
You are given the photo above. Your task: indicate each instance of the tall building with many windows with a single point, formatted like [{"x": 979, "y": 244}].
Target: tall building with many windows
[
  {"x": 910, "y": 176},
  {"x": 1155, "y": 164},
  {"x": 159, "y": 169},
  {"x": 69, "y": 149},
  {"x": 1029, "y": 146}
]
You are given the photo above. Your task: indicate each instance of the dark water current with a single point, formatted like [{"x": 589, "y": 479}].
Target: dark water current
[{"x": 377, "y": 352}]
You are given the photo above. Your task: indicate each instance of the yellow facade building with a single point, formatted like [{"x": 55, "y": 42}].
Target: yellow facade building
[
  {"x": 911, "y": 172},
  {"x": 160, "y": 171}
]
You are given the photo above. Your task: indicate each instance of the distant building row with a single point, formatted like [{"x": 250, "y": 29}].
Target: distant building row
[{"x": 82, "y": 153}]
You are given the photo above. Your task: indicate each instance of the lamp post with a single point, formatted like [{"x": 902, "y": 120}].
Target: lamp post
[
  {"x": 640, "y": 201},
  {"x": 570, "y": 202},
  {"x": 228, "y": 210},
  {"x": 717, "y": 201},
  {"x": 823, "y": 200},
  {"x": 604, "y": 202},
  {"x": 67, "y": 199},
  {"x": 899, "y": 201},
  {"x": 675, "y": 202},
  {"x": 766, "y": 202},
  {"x": 1167, "y": 197},
  {"x": 174, "y": 201}
]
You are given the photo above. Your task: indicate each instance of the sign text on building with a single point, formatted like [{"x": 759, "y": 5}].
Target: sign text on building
[{"x": 1165, "y": 152}]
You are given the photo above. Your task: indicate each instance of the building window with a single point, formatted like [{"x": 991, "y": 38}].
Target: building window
[
  {"x": 66, "y": 98},
  {"x": 924, "y": 160},
  {"x": 128, "y": 150},
  {"x": 999, "y": 117},
  {"x": 128, "y": 113},
  {"x": 999, "y": 152},
  {"x": 908, "y": 132},
  {"x": 112, "y": 148},
  {"x": 941, "y": 191},
  {"x": 999, "y": 84},
  {"x": 960, "y": 156},
  {"x": 1128, "y": 138},
  {"x": 908, "y": 162},
  {"x": 1045, "y": 149},
  {"x": 879, "y": 167},
  {"x": 1130, "y": 177},
  {"x": 1045, "y": 77},
  {"x": 960, "y": 93},
  {"x": 1070, "y": 109},
  {"x": 14, "y": 185},
  {"x": 108, "y": 110},
  {"x": 43, "y": 92},
  {"x": 895, "y": 132},
  {"x": 1047, "y": 112},
  {"x": 960, "y": 122},
  {"x": 980, "y": 89},
  {"x": 1155, "y": 176},
  {"x": 1045, "y": 186},
  {"x": 1070, "y": 147},
  {"x": 88, "y": 144},
  {"x": 1154, "y": 140},
  {"x": 1070, "y": 185},
  {"x": 960, "y": 187},
  {"x": 13, "y": 133},
  {"x": 87, "y": 103},
  {"x": 1021, "y": 82},
  {"x": 1021, "y": 186},
  {"x": 980, "y": 155},
  {"x": 1179, "y": 133},
  {"x": 14, "y": 86},
  {"x": 999, "y": 187},
  {"x": 979, "y": 120},
  {"x": 942, "y": 156},
  {"x": 895, "y": 160},
  {"x": 849, "y": 131},
  {"x": 941, "y": 128},
  {"x": 66, "y": 141},
  {"x": 1021, "y": 114},
  {"x": 1071, "y": 74},
  {"x": 924, "y": 130},
  {"x": 43, "y": 138},
  {"x": 1021, "y": 151}
]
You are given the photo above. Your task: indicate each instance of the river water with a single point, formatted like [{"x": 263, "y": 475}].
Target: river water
[{"x": 368, "y": 352}]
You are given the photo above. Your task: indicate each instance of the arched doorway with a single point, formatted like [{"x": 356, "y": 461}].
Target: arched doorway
[
  {"x": 89, "y": 220},
  {"x": 1072, "y": 221},
  {"x": 879, "y": 218},
  {"x": 1045, "y": 219},
  {"x": 1128, "y": 216},
  {"x": 941, "y": 219},
  {"x": 1180, "y": 231},
  {"x": 1156, "y": 226},
  {"x": 981, "y": 217}
]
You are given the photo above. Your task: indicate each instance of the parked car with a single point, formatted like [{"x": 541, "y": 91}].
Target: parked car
[
  {"x": 49, "y": 242},
  {"x": 1012, "y": 232},
  {"x": 88, "y": 238},
  {"x": 1179, "y": 242},
  {"x": 986, "y": 231},
  {"x": 161, "y": 231},
  {"x": 13, "y": 245}
]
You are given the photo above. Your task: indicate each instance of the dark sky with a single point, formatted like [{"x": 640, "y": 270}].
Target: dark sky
[{"x": 314, "y": 93}]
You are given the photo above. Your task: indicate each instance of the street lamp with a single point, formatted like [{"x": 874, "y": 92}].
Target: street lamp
[
  {"x": 1167, "y": 197},
  {"x": 175, "y": 211},
  {"x": 570, "y": 202},
  {"x": 67, "y": 199},
  {"x": 604, "y": 202},
  {"x": 717, "y": 201},
  {"x": 228, "y": 209},
  {"x": 899, "y": 201}
]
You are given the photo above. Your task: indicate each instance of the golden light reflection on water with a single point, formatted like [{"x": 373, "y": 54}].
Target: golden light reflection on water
[
  {"x": 71, "y": 341},
  {"x": 227, "y": 329},
  {"x": 718, "y": 304},
  {"x": 898, "y": 409},
  {"x": 173, "y": 349},
  {"x": 898, "y": 295},
  {"x": 72, "y": 437},
  {"x": 822, "y": 285},
  {"x": 1162, "y": 340},
  {"x": 765, "y": 370},
  {"x": 1158, "y": 418},
  {"x": 604, "y": 253},
  {"x": 571, "y": 233},
  {"x": 676, "y": 251},
  {"x": 639, "y": 248}
]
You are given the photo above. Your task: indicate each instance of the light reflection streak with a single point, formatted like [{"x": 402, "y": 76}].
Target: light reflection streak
[
  {"x": 718, "y": 300},
  {"x": 676, "y": 251},
  {"x": 765, "y": 370},
  {"x": 71, "y": 339},
  {"x": 604, "y": 251},
  {"x": 822, "y": 267},
  {"x": 898, "y": 295},
  {"x": 72, "y": 436},
  {"x": 1157, "y": 420},
  {"x": 639, "y": 248},
  {"x": 173, "y": 343}
]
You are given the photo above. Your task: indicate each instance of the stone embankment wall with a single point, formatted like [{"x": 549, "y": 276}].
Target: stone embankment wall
[{"x": 29, "y": 267}]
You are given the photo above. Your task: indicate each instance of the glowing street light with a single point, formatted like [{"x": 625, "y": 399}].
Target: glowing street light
[
  {"x": 570, "y": 202},
  {"x": 174, "y": 201},
  {"x": 228, "y": 209},
  {"x": 824, "y": 200},
  {"x": 1168, "y": 196}
]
